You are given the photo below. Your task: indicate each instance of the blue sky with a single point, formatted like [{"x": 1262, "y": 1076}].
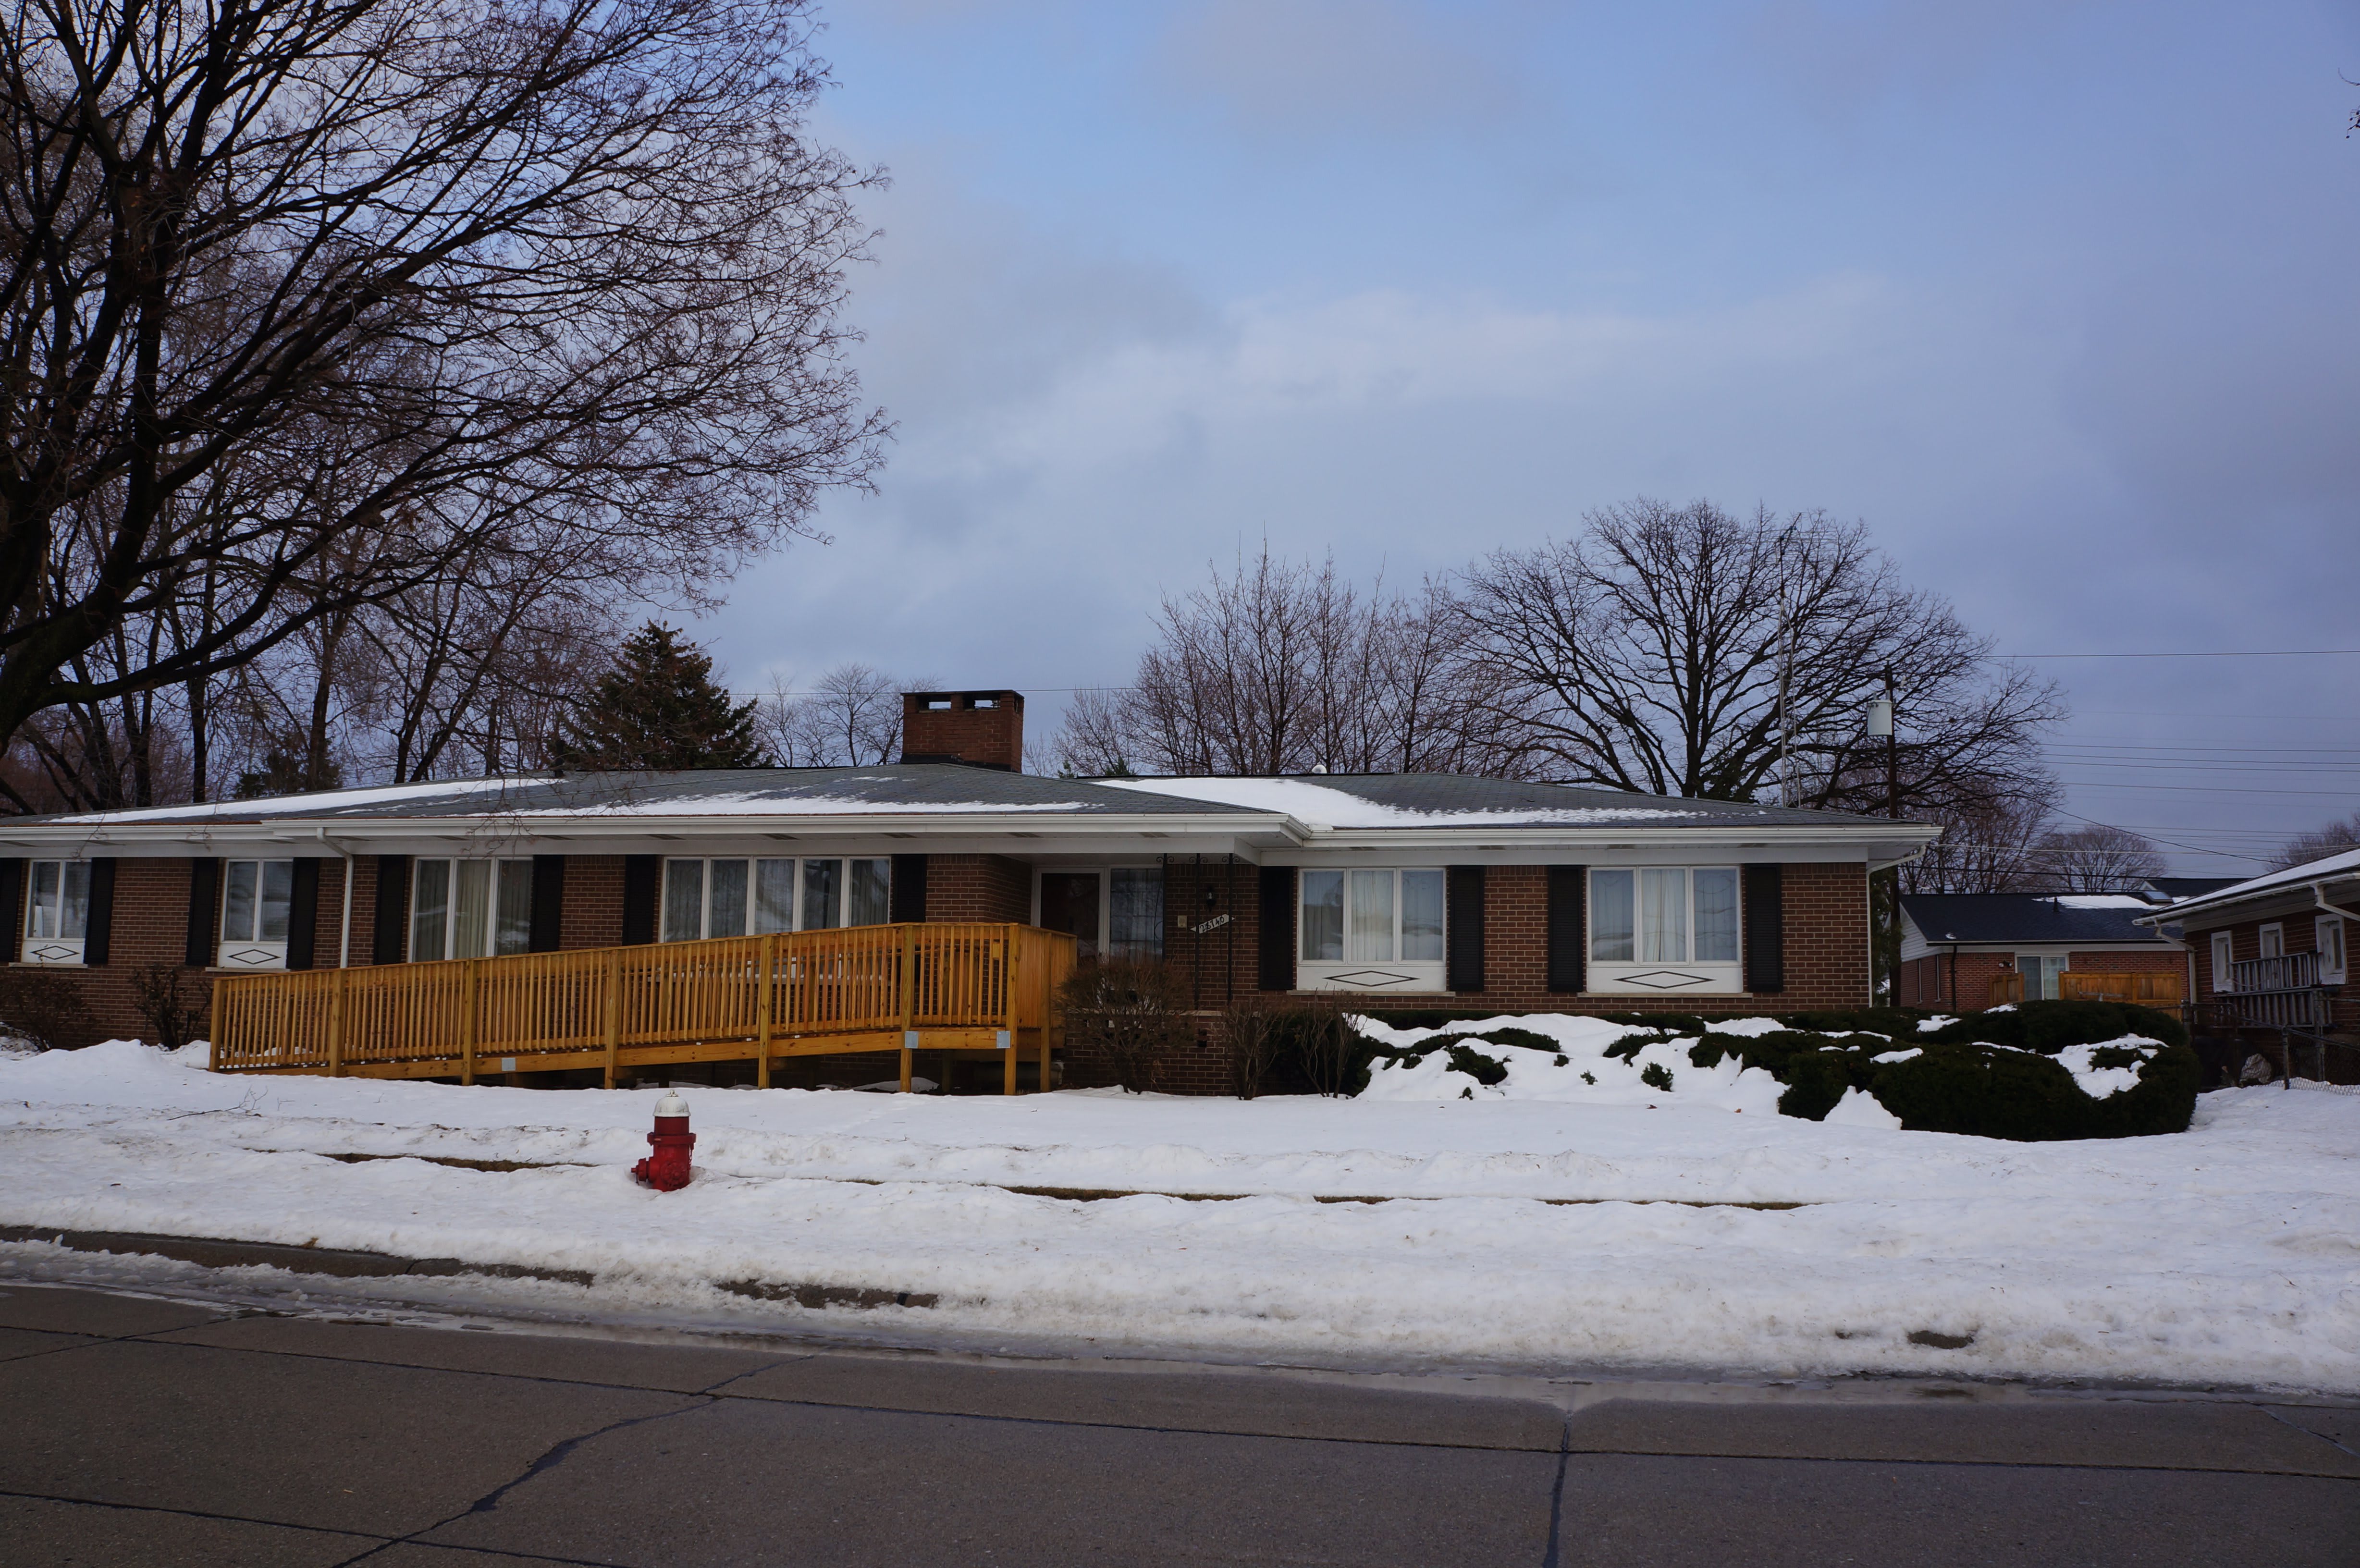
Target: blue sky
[{"x": 2062, "y": 299}]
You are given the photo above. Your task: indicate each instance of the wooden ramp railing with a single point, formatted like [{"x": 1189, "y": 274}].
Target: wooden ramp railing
[{"x": 863, "y": 989}]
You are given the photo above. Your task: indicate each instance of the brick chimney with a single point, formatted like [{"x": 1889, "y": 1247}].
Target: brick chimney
[{"x": 984, "y": 729}]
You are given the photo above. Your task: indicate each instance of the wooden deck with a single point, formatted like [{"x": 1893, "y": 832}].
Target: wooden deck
[{"x": 907, "y": 988}]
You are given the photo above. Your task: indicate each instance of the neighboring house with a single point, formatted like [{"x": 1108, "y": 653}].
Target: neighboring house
[
  {"x": 2275, "y": 949},
  {"x": 1483, "y": 895},
  {"x": 2171, "y": 890},
  {"x": 1954, "y": 945}
]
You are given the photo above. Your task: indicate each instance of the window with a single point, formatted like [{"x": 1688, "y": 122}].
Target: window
[
  {"x": 2331, "y": 950},
  {"x": 57, "y": 911},
  {"x": 2222, "y": 956},
  {"x": 258, "y": 896},
  {"x": 1135, "y": 911},
  {"x": 1374, "y": 929},
  {"x": 1645, "y": 920},
  {"x": 2040, "y": 971},
  {"x": 2273, "y": 942},
  {"x": 706, "y": 899},
  {"x": 1118, "y": 911},
  {"x": 470, "y": 908}
]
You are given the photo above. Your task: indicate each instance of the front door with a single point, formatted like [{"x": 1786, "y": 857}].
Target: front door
[{"x": 1069, "y": 902}]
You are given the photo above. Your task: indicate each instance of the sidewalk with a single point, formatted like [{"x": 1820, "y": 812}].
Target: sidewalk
[{"x": 146, "y": 1431}]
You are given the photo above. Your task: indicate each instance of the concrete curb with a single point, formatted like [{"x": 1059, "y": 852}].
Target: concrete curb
[{"x": 211, "y": 1252}]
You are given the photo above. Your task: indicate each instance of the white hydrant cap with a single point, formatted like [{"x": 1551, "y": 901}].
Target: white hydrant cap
[{"x": 671, "y": 1104}]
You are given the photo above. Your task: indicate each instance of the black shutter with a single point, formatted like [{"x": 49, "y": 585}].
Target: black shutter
[
  {"x": 548, "y": 903},
  {"x": 906, "y": 904},
  {"x": 388, "y": 941},
  {"x": 642, "y": 876},
  {"x": 1463, "y": 914},
  {"x": 204, "y": 900},
  {"x": 1765, "y": 930},
  {"x": 1568, "y": 890},
  {"x": 303, "y": 916},
  {"x": 99, "y": 935},
  {"x": 12, "y": 908},
  {"x": 1277, "y": 928}
]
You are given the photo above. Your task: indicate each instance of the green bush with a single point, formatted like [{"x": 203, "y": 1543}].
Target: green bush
[
  {"x": 1656, "y": 1076},
  {"x": 1814, "y": 1083},
  {"x": 1485, "y": 1069}
]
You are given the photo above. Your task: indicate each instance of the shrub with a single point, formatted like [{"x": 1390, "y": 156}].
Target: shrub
[
  {"x": 160, "y": 992},
  {"x": 1628, "y": 1048},
  {"x": 1656, "y": 1075},
  {"x": 1814, "y": 1083},
  {"x": 44, "y": 1006},
  {"x": 1485, "y": 1069},
  {"x": 1249, "y": 1028},
  {"x": 1136, "y": 1012}
]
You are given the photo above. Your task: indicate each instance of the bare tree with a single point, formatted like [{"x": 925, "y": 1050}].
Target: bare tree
[
  {"x": 2095, "y": 859},
  {"x": 301, "y": 303},
  {"x": 849, "y": 717},
  {"x": 1279, "y": 667},
  {"x": 2335, "y": 838},
  {"x": 1993, "y": 848},
  {"x": 1684, "y": 652}
]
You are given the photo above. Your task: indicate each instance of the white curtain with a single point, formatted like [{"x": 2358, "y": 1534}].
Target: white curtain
[{"x": 1664, "y": 915}]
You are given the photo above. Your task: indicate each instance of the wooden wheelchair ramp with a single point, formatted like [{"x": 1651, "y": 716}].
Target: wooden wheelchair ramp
[{"x": 963, "y": 987}]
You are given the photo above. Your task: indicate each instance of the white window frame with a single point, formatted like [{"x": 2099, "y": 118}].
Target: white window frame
[
  {"x": 235, "y": 952},
  {"x": 2334, "y": 953},
  {"x": 450, "y": 912},
  {"x": 1104, "y": 874},
  {"x": 2224, "y": 959},
  {"x": 1386, "y": 974},
  {"x": 2064, "y": 965},
  {"x": 2272, "y": 935},
  {"x": 753, "y": 864},
  {"x": 35, "y": 946},
  {"x": 1639, "y": 976}
]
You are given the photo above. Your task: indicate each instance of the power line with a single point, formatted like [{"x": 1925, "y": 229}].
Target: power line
[{"x": 2202, "y": 653}]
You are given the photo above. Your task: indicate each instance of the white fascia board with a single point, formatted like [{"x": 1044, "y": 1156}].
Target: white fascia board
[
  {"x": 1608, "y": 845},
  {"x": 966, "y": 833}
]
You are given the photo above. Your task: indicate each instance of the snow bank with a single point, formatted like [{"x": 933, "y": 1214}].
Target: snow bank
[{"x": 1523, "y": 1232}]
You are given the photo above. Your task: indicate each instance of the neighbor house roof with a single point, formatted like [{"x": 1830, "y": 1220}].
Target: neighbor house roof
[
  {"x": 1975, "y": 917},
  {"x": 2174, "y": 887},
  {"x": 2344, "y": 866},
  {"x": 955, "y": 808}
]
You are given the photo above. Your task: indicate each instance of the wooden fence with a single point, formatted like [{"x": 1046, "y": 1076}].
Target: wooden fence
[
  {"x": 2147, "y": 987},
  {"x": 956, "y": 987}
]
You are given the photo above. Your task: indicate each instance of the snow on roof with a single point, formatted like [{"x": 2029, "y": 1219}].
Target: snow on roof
[
  {"x": 750, "y": 802},
  {"x": 378, "y": 795},
  {"x": 2101, "y": 902},
  {"x": 2336, "y": 867},
  {"x": 1322, "y": 805}
]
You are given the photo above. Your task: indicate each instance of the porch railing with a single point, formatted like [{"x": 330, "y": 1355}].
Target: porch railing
[
  {"x": 2291, "y": 972},
  {"x": 930, "y": 986}
]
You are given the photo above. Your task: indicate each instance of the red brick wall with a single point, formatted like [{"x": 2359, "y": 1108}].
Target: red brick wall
[
  {"x": 593, "y": 902},
  {"x": 977, "y": 887},
  {"x": 2301, "y": 935}
]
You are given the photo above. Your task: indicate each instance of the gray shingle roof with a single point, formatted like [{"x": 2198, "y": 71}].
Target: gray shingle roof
[
  {"x": 1444, "y": 792},
  {"x": 2019, "y": 917}
]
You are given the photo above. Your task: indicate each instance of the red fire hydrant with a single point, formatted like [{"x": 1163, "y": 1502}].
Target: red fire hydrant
[{"x": 667, "y": 1169}]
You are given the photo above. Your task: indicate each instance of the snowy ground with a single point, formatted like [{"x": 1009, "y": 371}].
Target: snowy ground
[{"x": 1600, "y": 1232}]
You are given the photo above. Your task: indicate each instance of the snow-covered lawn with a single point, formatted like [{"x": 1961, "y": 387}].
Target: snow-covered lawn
[{"x": 1560, "y": 1234}]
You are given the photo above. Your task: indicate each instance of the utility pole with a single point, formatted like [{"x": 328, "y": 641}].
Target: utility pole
[{"x": 1892, "y": 751}]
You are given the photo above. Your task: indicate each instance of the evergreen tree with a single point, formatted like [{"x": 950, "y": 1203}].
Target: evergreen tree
[{"x": 658, "y": 708}]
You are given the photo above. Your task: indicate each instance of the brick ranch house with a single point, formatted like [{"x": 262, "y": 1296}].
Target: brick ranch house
[
  {"x": 2274, "y": 951},
  {"x": 1954, "y": 945},
  {"x": 1401, "y": 890}
]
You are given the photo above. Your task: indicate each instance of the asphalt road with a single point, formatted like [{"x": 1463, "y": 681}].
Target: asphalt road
[{"x": 142, "y": 1431}]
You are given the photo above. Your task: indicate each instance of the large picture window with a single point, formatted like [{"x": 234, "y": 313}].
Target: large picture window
[
  {"x": 257, "y": 897},
  {"x": 1370, "y": 929},
  {"x": 470, "y": 908},
  {"x": 57, "y": 911},
  {"x": 1657, "y": 928},
  {"x": 715, "y": 898}
]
